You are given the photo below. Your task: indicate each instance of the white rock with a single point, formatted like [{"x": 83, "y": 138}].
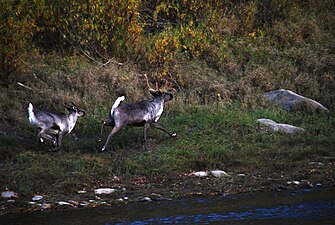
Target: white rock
[
  {"x": 146, "y": 199},
  {"x": 32, "y": 203},
  {"x": 219, "y": 173},
  {"x": 316, "y": 164},
  {"x": 9, "y": 194},
  {"x": 37, "y": 197},
  {"x": 296, "y": 182},
  {"x": 84, "y": 204},
  {"x": 289, "y": 100},
  {"x": 286, "y": 128},
  {"x": 82, "y": 192},
  {"x": 63, "y": 203},
  {"x": 240, "y": 175},
  {"x": 105, "y": 191},
  {"x": 200, "y": 174}
]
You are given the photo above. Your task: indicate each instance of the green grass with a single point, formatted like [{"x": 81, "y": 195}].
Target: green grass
[{"x": 227, "y": 139}]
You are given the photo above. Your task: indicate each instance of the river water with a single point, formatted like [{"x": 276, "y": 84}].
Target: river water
[{"x": 307, "y": 206}]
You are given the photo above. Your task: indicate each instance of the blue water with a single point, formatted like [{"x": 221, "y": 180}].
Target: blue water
[
  {"x": 306, "y": 212},
  {"x": 307, "y": 206}
]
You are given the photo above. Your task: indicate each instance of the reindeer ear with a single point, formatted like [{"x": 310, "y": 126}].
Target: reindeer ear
[
  {"x": 81, "y": 113},
  {"x": 168, "y": 97}
]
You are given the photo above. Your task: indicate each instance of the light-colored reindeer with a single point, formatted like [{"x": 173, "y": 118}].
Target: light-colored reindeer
[
  {"x": 54, "y": 126},
  {"x": 145, "y": 113}
]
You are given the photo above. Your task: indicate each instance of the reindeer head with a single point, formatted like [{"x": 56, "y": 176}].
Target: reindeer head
[
  {"x": 163, "y": 92},
  {"x": 71, "y": 107}
]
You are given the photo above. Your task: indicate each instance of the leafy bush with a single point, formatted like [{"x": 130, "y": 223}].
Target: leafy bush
[
  {"x": 17, "y": 27},
  {"x": 252, "y": 46}
]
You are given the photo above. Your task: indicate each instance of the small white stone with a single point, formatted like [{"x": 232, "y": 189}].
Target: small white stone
[
  {"x": 240, "y": 175},
  {"x": 219, "y": 173},
  {"x": 104, "y": 191},
  {"x": 200, "y": 174},
  {"x": 84, "y": 204},
  {"x": 296, "y": 182},
  {"x": 9, "y": 194},
  {"x": 316, "y": 164},
  {"x": 63, "y": 203},
  {"x": 37, "y": 197},
  {"x": 146, "y": 199}
]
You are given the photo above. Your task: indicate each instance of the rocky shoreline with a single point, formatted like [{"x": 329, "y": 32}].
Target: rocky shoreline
[{"x": 197, "y": 183}]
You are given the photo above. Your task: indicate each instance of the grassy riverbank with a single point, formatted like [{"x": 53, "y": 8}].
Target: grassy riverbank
[{"x": 208, "y": 137}]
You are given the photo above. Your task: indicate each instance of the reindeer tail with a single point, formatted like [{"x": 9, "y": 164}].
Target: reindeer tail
[
  {"x": 116, "y": 104},
  {"x": 31, "y": 114}
]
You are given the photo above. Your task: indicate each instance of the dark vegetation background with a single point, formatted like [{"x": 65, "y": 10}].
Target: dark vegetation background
[{"x": 220, "y": 56}]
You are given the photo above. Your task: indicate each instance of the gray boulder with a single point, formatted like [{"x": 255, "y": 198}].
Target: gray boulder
[
  {"x": 289, "y": 100},
  {"x": 286, "y": 128}
]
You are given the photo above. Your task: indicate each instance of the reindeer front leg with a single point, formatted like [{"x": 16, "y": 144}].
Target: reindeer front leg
[
  {"x": 146, "y": 127},
  {"x": 162, "y": 128},
  {"x": 59, "y": 139}
]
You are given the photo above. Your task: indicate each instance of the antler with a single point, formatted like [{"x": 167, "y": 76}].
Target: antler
[
  {"x": 150, "y": 88},
  {"x": 167, "y": 87}
]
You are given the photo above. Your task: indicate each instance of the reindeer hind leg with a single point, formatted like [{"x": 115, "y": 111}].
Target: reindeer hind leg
[
  {"x": 109, "y": 123},
  {"x": 43, "y": 135},
  {"x": 114, "y": 131}
]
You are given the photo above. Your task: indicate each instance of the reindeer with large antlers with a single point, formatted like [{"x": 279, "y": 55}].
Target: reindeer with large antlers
[
  {"x": 54, "y": 126},
  {"x": 145, "y": 113}
]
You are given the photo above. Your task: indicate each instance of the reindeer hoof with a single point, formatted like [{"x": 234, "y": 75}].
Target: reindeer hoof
[
  {"x": 103, "y": 148},
  {"x": 99, "y": 140},
  {"x": 173, "y": 135}
]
